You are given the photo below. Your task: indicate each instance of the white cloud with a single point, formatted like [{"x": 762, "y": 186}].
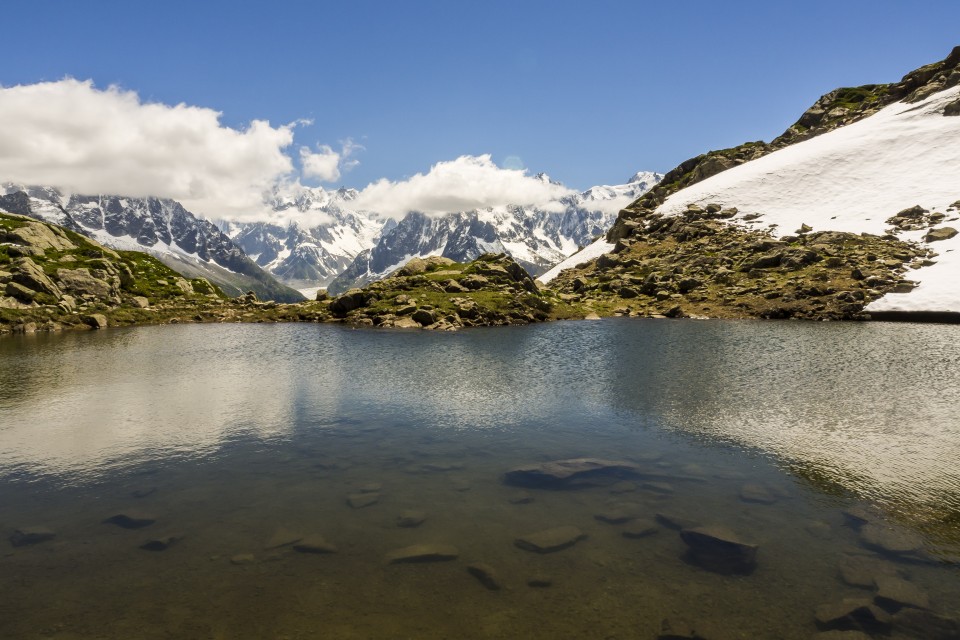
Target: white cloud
[
  {"x": 71, "y": 135},
  {"x": 464, "y": 184},
  {"x": 325, "y": 164}
]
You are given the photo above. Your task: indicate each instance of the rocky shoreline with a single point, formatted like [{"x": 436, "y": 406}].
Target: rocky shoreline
[{"x": 697, "y": 265}]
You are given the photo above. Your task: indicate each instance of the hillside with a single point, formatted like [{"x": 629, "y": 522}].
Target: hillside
[
  {"x": 162, "y": 227},
  {"x": 871, "y": 166},
  {"x": 53, "y": 278}
]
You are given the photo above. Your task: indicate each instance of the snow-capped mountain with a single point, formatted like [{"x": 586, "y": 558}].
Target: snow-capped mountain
[
  {"x": 161, "y": 227},
  {"x": 320, "y": 239},
  {"x": 537, "y": 238},
  {"x": 877, "y": 159}
]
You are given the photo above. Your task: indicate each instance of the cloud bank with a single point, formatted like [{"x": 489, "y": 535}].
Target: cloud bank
[
  {"x": 325, "y": 164},
  {"x": 464, "y": 184},
  {"x": 71, "y": 135}
]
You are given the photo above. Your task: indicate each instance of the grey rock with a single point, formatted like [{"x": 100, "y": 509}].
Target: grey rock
[
  {"x": 676, "y": 521},
  {"x": 31, "y": 535},
  {"x": 20, "y": 292},
  {"x": 423, "y": 553},
  {"x": 892, "y": 541},
  {"x": 486, "y": 574},
  {"x": 26, "y": 272},
  {"x": 617, "y": 515},
  {"x": 550, "y": 540},
  {"x": 717, "y": 549},
  {"x": 141, "y": 302},
  {"x": 424, "y": 317},
  {"x": 81, "y": 282},
  {"x": 96, "y": 320},
  {"x": 863, "y": 572},
  {"x": 242, "y": 559}
]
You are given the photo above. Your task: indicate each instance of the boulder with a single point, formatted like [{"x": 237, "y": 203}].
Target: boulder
[
  {"x": 424, "y": 317},
  {"x": 423, "y": 553},
  {"x": 943, "y": 233},
  {"x": 141, "y": 302},
  {"x": 639, "y": 529},
  {"x": 81, "y": 282},
  {"x": 96, "y": 321},
  {"x": 349, "y": 301},
  {"x": 20, "y": 292},
  {"x": 40, "y": 236},
  {"x": 282, "y": 537},
  {"x": 575, "y": 472},
  {"x": 550, "y": 540},
  {"x": 879, "y": 537},
  {"x": 920, "y": 623},
  {"x": 31, "y": 535},
  {"x": 756, "y": 493},
  {"x": 27, "y": 273},
  {"x": 717, "y": 549}
]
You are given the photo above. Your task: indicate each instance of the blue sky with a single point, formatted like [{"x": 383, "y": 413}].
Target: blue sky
[{"x": 588, "y": 92}]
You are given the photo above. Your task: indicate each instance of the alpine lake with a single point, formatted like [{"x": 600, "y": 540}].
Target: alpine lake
[{"x": 608, "y": 479}]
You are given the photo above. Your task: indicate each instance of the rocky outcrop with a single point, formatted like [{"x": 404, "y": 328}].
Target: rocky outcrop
[{"x": 696, "y": 264}]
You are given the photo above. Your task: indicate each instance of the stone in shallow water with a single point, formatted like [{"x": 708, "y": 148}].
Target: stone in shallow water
[
  {"x": 161, "y": 543},
  {"x": 370, "y": 487},
  {"x": 624, "y": 486},
  {"x": 143, "y": 493},
  {"x": 411, "y": 518},
  {"x": 677, "y": 629},
  {"x": 242, "y": 558},
  {"x": 282, "y": 537},
  {"x": 572, "y": 473},
  {"x": 361, "y": 500},
  {"x": 540, "y": 582},
  {"x": 640, "y": 529},
  {"x": 521, "y": 498},
  {"x": 658, "y": 487},
  {"x": 894, "y": 593},
  {"x": 920, "y": 623},
  {"x": 616, "y": 515},
  {"x": 131, "y": 520},
  {"x": 314, "y": 544},
  {"x": 550, "y": 540},
  {"x": 31, "y": 535},
  {"x": 863, "y": 572},
  {"x": 441, "y": 466},
  {"x": 756, "y": 493},
  {"x": 486, "y": 574},
  {"x": 892, "y": 541},
  {"x": 423, "y": 553},
  {"x": 855, "y": 614},
  {"x": 841, "y": 635},
  {"x": 676, "y": 521},
  {"x": 717, "y": 549}
]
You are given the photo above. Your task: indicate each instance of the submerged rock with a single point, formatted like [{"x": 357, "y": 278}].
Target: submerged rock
[
  {"x": 242, "y": 559},
  {"x": 282, "y": 537},
  {"x": 486, "y": 574},
  {"x": 314, "y": 544},
  {"x": 717, "y": 549},
  {"x": 854, "y": 614},
  {"x": 640, "y": 529},
  {"x": 540, "y": 582},
  {"x": 676, "y": 521},
  {"x": 361, "y": 500},
  {"x": 896, "y": 542},
  {"x": 161, "y": 543},
  {"x": 894, "y": 594},
  {"x": 550, "y": 540},
  {"x": 411, "y": 518},
  {"x": 677, "y": 629},
  {"x": 863, "y": 572},
  {"x": 572, "y": 473},
  {"x": 131, "y": 520},
  {"x": 31, "y": 535},
  {"x": 423, "y": 553},
  {"x": 920, "y": 623},
  {"x": 756, "y": 493},
  {"x": 617, "y": 514},
  {"x": 521, "y": 498}
]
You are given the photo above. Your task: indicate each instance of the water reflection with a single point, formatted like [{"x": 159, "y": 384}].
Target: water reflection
[{"x": 867, "y": 406}]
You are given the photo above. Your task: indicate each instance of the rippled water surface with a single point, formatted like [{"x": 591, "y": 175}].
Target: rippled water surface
[{"x": 237, "y": 439}]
